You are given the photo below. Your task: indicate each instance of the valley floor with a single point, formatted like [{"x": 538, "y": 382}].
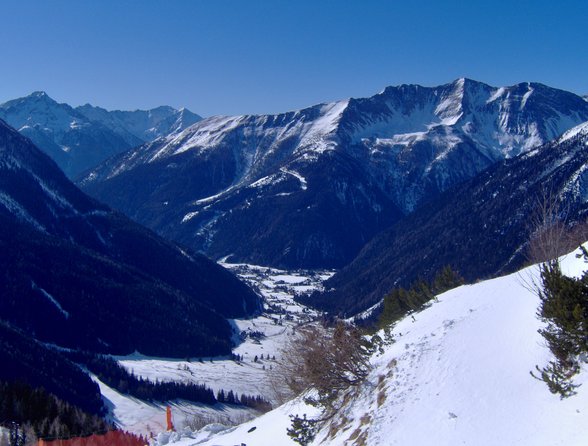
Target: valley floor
[{"x": 262, "y": 337}]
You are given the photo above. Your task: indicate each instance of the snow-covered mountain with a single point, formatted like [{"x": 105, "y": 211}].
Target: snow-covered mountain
[
  {"x": 78, "y": 139},
  {"x": 311, "y": 187},
  {"x": 457, "y": 373},
  {"x": 80, "y": 275},
  {"x": 480, "y": 227},
  {"x": 144, "y": 125}
]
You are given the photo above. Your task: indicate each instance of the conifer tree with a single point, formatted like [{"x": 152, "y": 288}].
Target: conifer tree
[{"x": 564, "y": 310}]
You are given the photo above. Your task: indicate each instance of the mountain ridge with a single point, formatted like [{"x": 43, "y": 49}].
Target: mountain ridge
[{"x": 350, "y": 167}]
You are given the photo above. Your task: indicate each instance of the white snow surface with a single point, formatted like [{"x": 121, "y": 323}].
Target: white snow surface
[
  {"x": 143, "y": 418},
  {"x": 457, "y": 374}
]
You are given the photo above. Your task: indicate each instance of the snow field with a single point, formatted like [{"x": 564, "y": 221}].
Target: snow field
[{"x": 149, "y": 419}]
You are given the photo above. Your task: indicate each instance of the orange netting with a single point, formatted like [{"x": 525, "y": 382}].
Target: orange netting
[{"x": 112, "y": 438}]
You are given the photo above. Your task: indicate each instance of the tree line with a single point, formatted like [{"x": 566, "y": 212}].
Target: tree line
[
  {"x": 43, "y": 415},
  {"x": 401, "y": 302}
]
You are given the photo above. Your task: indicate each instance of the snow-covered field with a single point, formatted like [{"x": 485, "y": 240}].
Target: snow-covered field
[
  {"x": 457, "y": 374},
  {"x": 148, "y": 419},
  {"x": 262, "y": 337}
]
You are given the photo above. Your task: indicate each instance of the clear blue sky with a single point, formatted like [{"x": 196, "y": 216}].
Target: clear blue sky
[{"x": 254, "y": 56}]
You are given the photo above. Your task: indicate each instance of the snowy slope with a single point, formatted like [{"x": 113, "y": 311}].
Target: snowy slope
[
  {"x": 309, "y": 188},
  {"x": 458, "y": 374},
  {"x": 143, "y": 418},
  {"x": 581, "y": 130}
]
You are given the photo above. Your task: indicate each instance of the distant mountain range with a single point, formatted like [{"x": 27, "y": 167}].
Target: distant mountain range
[
  {"x": 79, "y": 275},
  {"x": 82, "y": 137},
  {"x": 481, "y": 227},
  {"x": 310, "y": 188}
]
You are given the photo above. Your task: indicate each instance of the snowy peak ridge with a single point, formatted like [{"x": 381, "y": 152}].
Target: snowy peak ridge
[
  {"x": 310, "y": 127},
  {"x": 39, "y": 94},
  {"x": 144, "y": 125},
  {"x": 79, "y": 139},
  {"x": 41, "y": 111},
  {"x": 508, "y": 120},
  {"x": 371, "y": 159}
]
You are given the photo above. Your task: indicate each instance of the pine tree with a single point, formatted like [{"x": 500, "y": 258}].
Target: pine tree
[
  {"x": 564, "y": 310},
  {"x": 445, "y": 280},
  {"x": 302, "y": 430}
]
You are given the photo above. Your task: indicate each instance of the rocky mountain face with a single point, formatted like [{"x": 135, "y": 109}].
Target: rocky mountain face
[
  {"x": 81, "y": 138},
  {"x": 309, "y": 188},
  {"x": 481, "y": 227},
  {"x": 97, "y": 280}
]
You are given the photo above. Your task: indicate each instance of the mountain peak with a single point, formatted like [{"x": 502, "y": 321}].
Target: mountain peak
[{"x": 40, "y": 96}]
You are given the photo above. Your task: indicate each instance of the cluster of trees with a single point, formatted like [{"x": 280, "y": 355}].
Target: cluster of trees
[
  {"x": 401, "y": 301},
  {"x": 324, "y": 363},
  {"x": 34, "y": 413},
  {"x": 564, "y": 310},
  {"x": 255, "y": 402}
]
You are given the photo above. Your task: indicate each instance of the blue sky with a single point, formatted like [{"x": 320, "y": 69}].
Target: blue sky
[{"x": 254, "y": 56}]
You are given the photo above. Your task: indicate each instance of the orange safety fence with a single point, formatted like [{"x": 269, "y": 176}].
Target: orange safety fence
[{"x": 111, "y": 438}]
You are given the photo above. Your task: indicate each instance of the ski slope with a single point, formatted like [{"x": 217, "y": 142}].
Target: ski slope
[{"x": 456, "y": 375}]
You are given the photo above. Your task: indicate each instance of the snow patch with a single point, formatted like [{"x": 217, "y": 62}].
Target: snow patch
[
  {"x": 526, "y": 96},
  {"x": 51, "y": 299},
  {"x": 189, "y": 216},
  {"x": 497, "y": 94},
  {"x": 295, "y": 174}
]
